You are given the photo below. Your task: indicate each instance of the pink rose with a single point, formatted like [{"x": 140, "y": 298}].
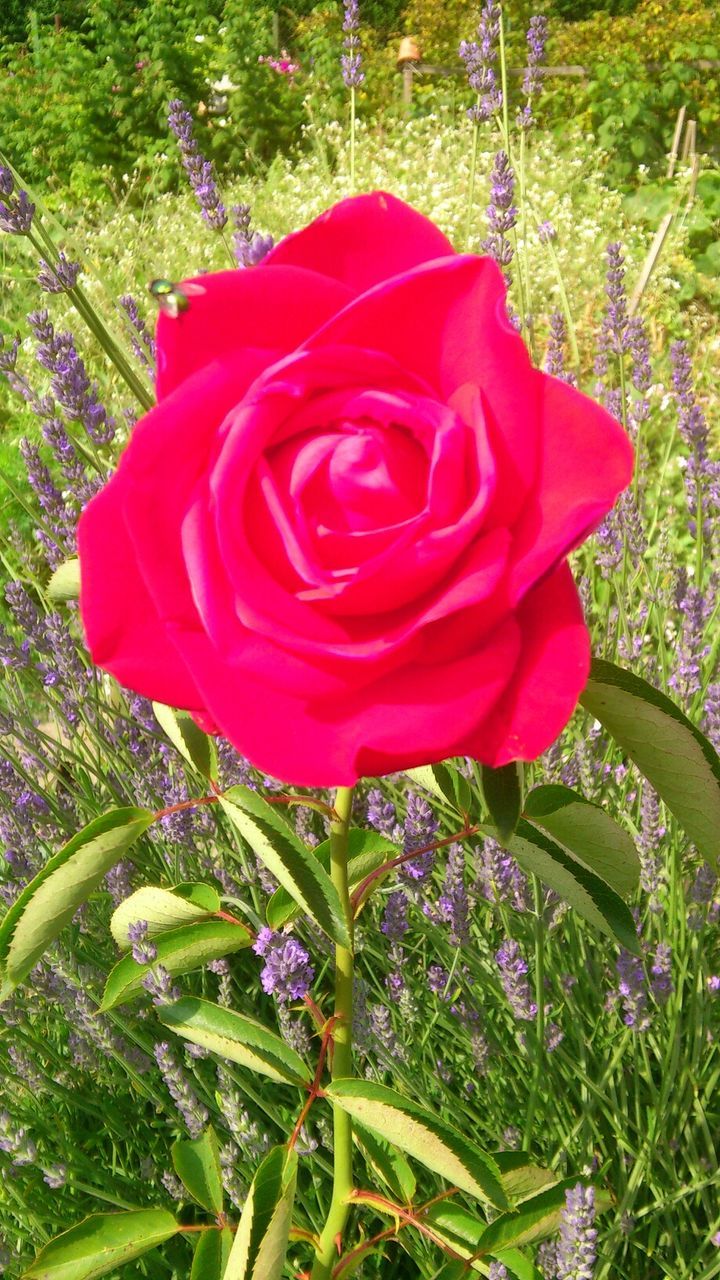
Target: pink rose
[{"x": 341, "y": 537}]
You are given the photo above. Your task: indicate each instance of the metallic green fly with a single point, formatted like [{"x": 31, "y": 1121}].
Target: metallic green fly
[{"x": 173, "y": 298}]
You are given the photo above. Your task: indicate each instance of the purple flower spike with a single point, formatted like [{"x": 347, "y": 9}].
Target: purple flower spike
[
  {"x": 17, "y": 210},
  {"x": 532, "y": 82},
  {"x": 479, "y": 57},
  {"x": 198, "y": 169},
  {"x": 287, "y": 973},
  {"x": 577, "y": 1247},
  {"x": 502, "y": 213},
  {"x": 60, "y": 276},
  {"x": 250, "y": 246},
  {"x": 513, "y": 976},
  {"x": 188, "y": 1104},
  {"x": 351, "y": 61}
]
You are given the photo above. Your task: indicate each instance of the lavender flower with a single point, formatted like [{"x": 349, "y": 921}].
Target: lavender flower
[
  {"x": 696, "y": 606},
  {"x": 480, "y": 57},
  {"x": 294, "y": 1031},
  {"x": 70, "y": 384},
  {"x": 501, "y": 213},
  {"x": 143, "y": 950},
  {"x": 193, "y": 1112},
  {"x": 230, "y": 1157},
  {"x": 661, "y": 973},
  {"x": 513, "y": 970},
  {"x": 500, "y": 879},
  {"x": 384, "y": 1035},
  {"x": 632, "y": 991},
  {"x": 244, "y": 1131},
  {"x": 546, "y": 1259},
  {"x": 15, "y": 1141},
  {"x": 221, "y": 969},
  {"x": 198, "y": 169},
  {"x": 395, "y": 922},
  {"x": 250, "y": 246},
  {"x": 173, "y": 1186},
  {"x": 652, "y": 872},
  {"x": 55, "y": 1176},
  {"x": 351, "y": 60},
  {"x": 287, "y": 972},
  {"x": 497, "y": 1271},
  {"x": 555, "y": 353},
  {"x": 420, "y": 829},
  {"x": 532, "y": 80},
  {"x": 437, "y": 980},
  {"x": 614, "y": 331},
  {"x": 577, "y": 1246},
  {"x": 454, "y": 904},
  {"x": 702, "y": 473},
  {"x": 711, "y": 718},
  {"x": 143, "y": 344},
  {"x": 380, "y": 812},
  {"x": 17, "y": 211},
  {"x": 60, "y": 276}
]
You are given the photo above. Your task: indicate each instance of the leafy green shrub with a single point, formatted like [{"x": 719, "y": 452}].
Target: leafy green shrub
[{"x": 639, "y": 79}]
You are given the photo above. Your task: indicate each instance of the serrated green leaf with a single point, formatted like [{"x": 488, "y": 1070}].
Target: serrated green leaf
[
  {"x": 589, "y": 832},
  {"x": 502, "y": 789},
  {"x": 50, "y": 901},
  {"x": 674, "y": 756},
  {"x": 367, "y": 851},
  {"x": 179, "y": 951},
  {"x": 234, "y": 1036},
  {"x": 64, "y": 583},
  {"x": 197, "y": 1165},
  {"x": 260, "y": 1245},
  {"x": 590, "y": 896},
  {"x": 519, "y": 1176},
  {"x": 422, "y": 1136},
  {"x": 387, "y": 1163},
  {"x": 535, "y": 1219},
  {"x": 445, "y": 782},
  {"x": 200, "y": 895},
  {"x": 160, "y": 909},
  {"x": 101, "y": 1244},
  {"x": 196, "y": 747},
  {"x": 211, "y": 1255},
  {"x": 288, "y": 859}
]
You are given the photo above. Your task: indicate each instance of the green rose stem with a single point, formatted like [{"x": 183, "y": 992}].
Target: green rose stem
[{"x": 327, "y": 1249}]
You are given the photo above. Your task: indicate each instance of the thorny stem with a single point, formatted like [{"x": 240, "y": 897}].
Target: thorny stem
[
  {"x": 331, "y": 1236},
  {"x": 315, "y": 1086},
  {"x": 360, "y": 1249}
]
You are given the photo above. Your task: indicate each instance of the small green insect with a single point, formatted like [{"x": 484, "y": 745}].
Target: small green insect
[{"x": 173, "y": 298}]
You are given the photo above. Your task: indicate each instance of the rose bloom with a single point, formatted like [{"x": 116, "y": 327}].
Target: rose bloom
[{"x": 341, "y": 537}]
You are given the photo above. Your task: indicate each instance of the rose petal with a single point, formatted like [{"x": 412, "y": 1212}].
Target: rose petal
[
  {"x": 362, "y": 241},
  {"x": 402, "y": 720},
  {"x": 123, "y": 631},
  {"x": 230, "y": 310},
  {"x": 551, "y": 674},
  {"x": 446, "y": 323},
  {"x": 169, "y": 450},
  {"x": 586, "y": 460}
]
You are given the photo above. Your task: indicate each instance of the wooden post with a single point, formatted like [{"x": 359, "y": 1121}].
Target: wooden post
[
  {"x": 676, "y": 141},
  {"x": 407, "y": 74},
  {"x": 408, "y": 59}
]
